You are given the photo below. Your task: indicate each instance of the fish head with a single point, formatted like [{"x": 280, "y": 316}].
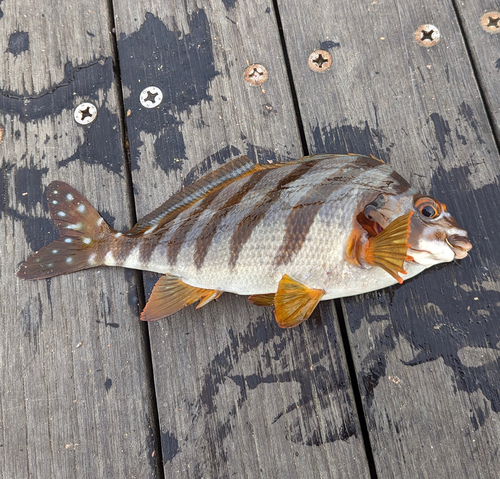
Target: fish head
[{"x": 435, "y": 236}]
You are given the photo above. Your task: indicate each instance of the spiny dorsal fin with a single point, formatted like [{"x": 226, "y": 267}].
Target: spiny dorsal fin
[
  {"x": 83, "y": 232},
  {"x": 171, "y": 294},
  {"x": 294, "y": 302},
  {"x": 235, "y": 169},
  {"x": 388, "y": 249}
]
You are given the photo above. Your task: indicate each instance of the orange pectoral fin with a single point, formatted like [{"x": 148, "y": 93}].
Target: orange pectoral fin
[
  {"x": 171, "y": 294},
  {"x": 294, "y": 302},
  {"x": 388, "y": 249},
  {"x": 262, "y": 299}
]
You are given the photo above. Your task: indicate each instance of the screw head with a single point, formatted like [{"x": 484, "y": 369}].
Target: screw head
[
  {"x": 490, "y": 22},
  {"x": 151, "y": 97},
  {"x": 427, "y": 35},
  {"x": 85, "y": 113},
  {"x": 319, "y": 60},
  {"x": 255, "y": 74}
]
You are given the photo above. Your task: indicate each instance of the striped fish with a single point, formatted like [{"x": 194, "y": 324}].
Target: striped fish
[{"x": 287, "y": 234}]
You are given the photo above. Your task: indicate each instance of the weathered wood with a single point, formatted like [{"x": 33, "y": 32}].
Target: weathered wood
[
  {"x": 76, "y": 397},
  {"x": 237, "y": 396},
  {"x": 426, "y": 353},
  {"x": 484, "y": 47}
]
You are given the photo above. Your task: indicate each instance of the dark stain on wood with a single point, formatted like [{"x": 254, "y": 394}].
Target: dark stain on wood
[
  {"x": 328, "y": 45},
  {"x": 169, "y": 445},
  {"x": 317, "y": 381},
  {"x": 465, "y": 111},
  {"x": 182, "y": 66},
  {"x": 107, "y": 384},
  {"x": 39, "y": 230},
  {"x": 349, "y": 139},
  {"x": 441, "y": 130},
  {"x": 229, "y": 4},
  {"x": 29, "y": 191},
  {"x": 60, "y": 96},
  {"x": 19, "y": 42}
]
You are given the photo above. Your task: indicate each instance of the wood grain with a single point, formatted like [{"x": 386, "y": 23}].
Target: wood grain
[
  {"x": 484, "y": 48},
  {"x": 426, "y": 352},
  {"x": 76, "y": 396},
  {"x": 237, "y": 396}
]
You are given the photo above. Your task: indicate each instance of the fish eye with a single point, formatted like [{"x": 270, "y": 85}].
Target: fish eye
[{"x": 428, "y": 207}]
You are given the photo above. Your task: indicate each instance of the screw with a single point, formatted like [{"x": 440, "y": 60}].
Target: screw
[
  {"x": 255, "y": 74},
  {"x": 85, "y": 113},
  {"x": 319, "y": 61},
  {"x": 427, "y": 35},
  {"x": 490, "y": 22},
  {"x": 151, "y": 96}
]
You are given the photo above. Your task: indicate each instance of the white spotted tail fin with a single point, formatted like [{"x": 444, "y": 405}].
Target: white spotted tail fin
[{"x": 84, "y": 236}]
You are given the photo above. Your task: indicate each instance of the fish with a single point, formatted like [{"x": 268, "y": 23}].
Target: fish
[{"x": 288, "y": 235}]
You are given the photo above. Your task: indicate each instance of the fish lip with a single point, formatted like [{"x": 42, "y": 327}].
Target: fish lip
[{"x": 460, "y": 245}]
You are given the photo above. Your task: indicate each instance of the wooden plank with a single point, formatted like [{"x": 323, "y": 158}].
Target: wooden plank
[
  {"x": 426, "y": 353},
  {"x": 237, "y": 396},
  {"x": 482, "y": 33},
  {"x": 76, "y": 398}
]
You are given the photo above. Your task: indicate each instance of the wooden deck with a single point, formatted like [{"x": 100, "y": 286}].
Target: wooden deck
[{"x": 401, "y": 383}]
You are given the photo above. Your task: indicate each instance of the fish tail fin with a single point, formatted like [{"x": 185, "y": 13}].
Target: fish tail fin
[
  {"x": 389, "y": 248},
  {"x": 84, "y": 236}
]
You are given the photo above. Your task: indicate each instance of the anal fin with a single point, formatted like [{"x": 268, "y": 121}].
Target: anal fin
[
  {"x": 294, "y": 302},
  {"x": 389, "y": 248},
  {"x": 262, "y": 299},
  {"x": 171, "y": 294}
]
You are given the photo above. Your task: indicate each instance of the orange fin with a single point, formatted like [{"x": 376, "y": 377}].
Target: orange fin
[
  {"x": 294, "y": 302},
  {"x": 262, "y": 299},
  {"x": 235, "y": 169},
  {"x": 207, "y": 296},
  {"x": 388, "y": 249},
  {"x": 171, "y": 294},
  {"x": 82, "y": 233}
]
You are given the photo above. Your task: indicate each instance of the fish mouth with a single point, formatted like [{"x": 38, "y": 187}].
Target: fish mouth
[{"x": 460, "y": 245}]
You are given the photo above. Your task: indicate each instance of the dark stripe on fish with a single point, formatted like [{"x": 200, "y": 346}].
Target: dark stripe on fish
[
  {"x": 252, "y": 219},
  {"x": 177, "y": 240},
  {"x": 302, "y": 215},
  {"x": 207, "y": 235},
  {"x": 121, "y": 248}
]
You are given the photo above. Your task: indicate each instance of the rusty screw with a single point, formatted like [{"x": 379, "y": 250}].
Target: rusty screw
[
  {"x": 490, "y": 22},
  {"x": 85, "y": 113},
  {"x": 427, "y": 35},
  {"x": 151, "y": 97},
  {"x": 320, "y": 61},
  {"x": 255, "y": 74}
]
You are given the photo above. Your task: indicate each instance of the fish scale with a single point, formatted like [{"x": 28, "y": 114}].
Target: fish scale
[{"x": 287, "y": 234}]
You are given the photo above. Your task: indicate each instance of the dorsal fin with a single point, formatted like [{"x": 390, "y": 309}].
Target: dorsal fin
[{"x": 237, "y": 168}]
